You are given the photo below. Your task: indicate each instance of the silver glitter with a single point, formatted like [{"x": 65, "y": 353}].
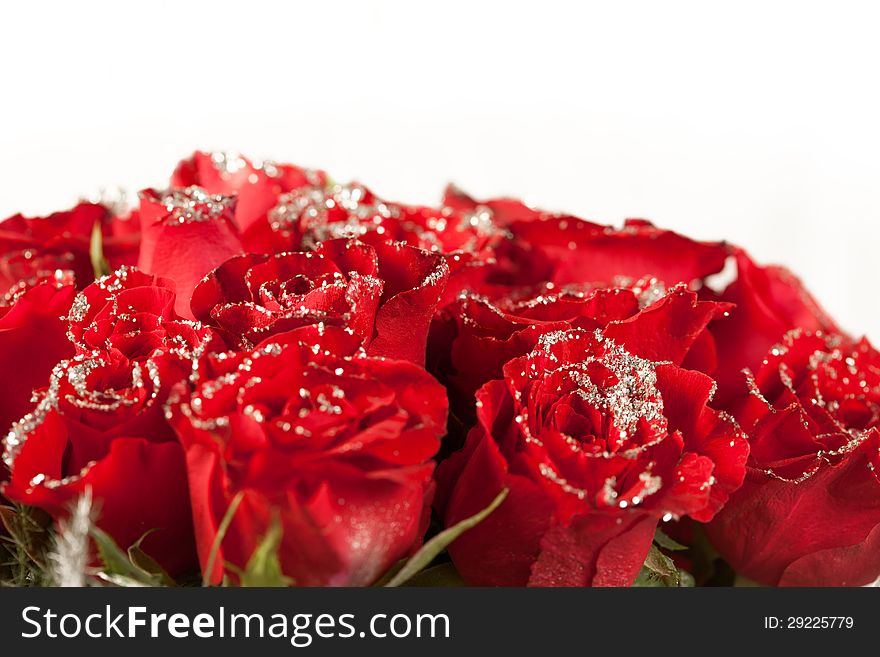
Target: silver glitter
[{"x": 192, "y": 204}]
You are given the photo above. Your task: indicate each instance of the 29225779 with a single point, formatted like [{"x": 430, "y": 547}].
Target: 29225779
[{"x": 809, "y": 622}]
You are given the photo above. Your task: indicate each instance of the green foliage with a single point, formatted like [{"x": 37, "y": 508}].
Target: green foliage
[
  {"x": 661, "y": 539},
  {"x": 264, "y": 566},
  {"x": 25, "y": 537},
  {"x": 430, "y": 550},
  {"x": 660, "y": 571},
  {"x": 127, "y": 568},
  {"x": 96, "y": 251},
  {"x": 218, "y": 539}
]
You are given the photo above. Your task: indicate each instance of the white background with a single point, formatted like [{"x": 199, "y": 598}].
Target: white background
[{"x": 754, "y": 122}]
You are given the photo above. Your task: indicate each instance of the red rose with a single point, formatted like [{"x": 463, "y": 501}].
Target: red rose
[
  {"x": 483, "y": 333},
  {"x": 37, "y": 247},
  {"x": 809, "y": 511},
  {"x": 185, "y": 234},
  {"x": 505, "y": 211},
  {"x": 284, "y": 208},
  {"x": 597, "y": 439},
  {"x": 33, "y": 338},
  {"x": 257, "y": 185},
  {"x": 100, "y": 422},
  {"x": 335, "y": 444},
  {"x": 386, "y": 294},
  {"x": 307, "y": 216},
  {"x": 565, "y": 250},
  {"x": 770, "y": 301}
]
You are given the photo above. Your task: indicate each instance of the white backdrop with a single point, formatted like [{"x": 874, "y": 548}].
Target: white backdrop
[{"x": 755, "y": 122}]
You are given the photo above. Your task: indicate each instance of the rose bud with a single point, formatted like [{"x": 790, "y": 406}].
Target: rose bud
[
  {"x": 37, "y": 247},
  {"x": 310, "y": 432},
  {"x": 100, "y": 423},
  {"x": 482, "y": 334},
  {"x": 186, "y": 233},
  {"x": 386, "y": 294},
  {"x": 808, "y": 513},
  {"x": 257, "y": 184},
  {"x": 770, "y": 301},
  {"x": 597, "y": 439}
]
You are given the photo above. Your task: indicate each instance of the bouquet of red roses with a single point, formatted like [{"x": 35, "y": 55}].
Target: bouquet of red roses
[{"x": 260, "y": 376}]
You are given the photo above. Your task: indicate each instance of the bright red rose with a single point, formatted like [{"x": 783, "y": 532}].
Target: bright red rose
[
  {"x": 385, "y": 294},
  {"x": 808, "y": 513},
  {"x": 185, "y": 234},
  {"x": 308, "y": 216},
  {"x": 100, "y": 422},
  {"x": 770, "y": 301},
  {"x": 483, "y": 333},
  {"x": 597, "y": 439},
  {"x": 568, "y": 250},
  {"x": 505, "y": 211},
  {"x": 33, "y": 338},
  {"x": 258, "y": 185},
  {"x": 334, "y": 444},
  {"x": 565, "y": 250},
  {"x": 34, "y": 247}
]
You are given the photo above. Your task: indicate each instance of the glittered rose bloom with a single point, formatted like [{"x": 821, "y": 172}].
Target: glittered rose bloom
[
  {"x": 597, "y": 439},
  {"x": 257, "y": 185},
  {"x": 99, "y": 423},
  {"x": 185, "y": 234},
  {"x": 385, "y": 294},
  {"x": 769, "y": 302},
  {"x": 808, "y": 513},
  {"x": 34, "y": 247},
  {"x": 307, "y": 216},
  {"x": 480, "y": 333},
  {"x": 315, "y": 437}
]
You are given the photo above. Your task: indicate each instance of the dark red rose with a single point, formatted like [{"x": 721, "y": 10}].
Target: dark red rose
[
  {"x": 808, "y": 513},
  {"x": 100, "y": 422},
  {"x": 486, "y": 333},
  {"x": 597, "y": 439},
  {"x": 33, "y": 247},
  {"x": 258, "y": 185},
  {"x": 770, "y": 301},
  {"x": 334, "y": 444},
  {"x": 385, "y": 294},
  {"x": 185, "y": 234}
]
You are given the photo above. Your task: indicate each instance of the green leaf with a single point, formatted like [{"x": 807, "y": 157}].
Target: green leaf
[
  {"x": 264, "y": 567},
  {"x": 218, "y": 539},
  {"x": 96, "y": 251},
  {"x": 661, "y": 539},
  {"x": 659, "y": 570},
  {"x": 429, "y": 551},
  {"x": 116, "y": 561},
  {"x": 147, "y": 564}
]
